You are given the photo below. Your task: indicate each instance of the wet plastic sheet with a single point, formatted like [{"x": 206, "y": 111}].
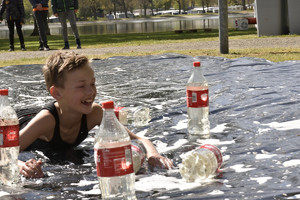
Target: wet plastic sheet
[{"x": 254, "y": 117}]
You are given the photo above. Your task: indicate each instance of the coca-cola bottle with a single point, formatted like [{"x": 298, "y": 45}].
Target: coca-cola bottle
[
  {"x": 138, "y": 154},
  {"x": 198, "y": 103},
  {"x": 9, "y": 141},
  {"x": 136, "y": 116},
  {"x": 201, "y": 163},
  {"x": 113, "y": 157}
]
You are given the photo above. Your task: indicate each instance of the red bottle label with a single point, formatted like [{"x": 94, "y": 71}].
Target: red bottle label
[
  {"x": 114, "y": 161},
  {"x": 9, "y": 136},
  {"x": 216, "y": 151},
  {"x": 197, "y": 98}
]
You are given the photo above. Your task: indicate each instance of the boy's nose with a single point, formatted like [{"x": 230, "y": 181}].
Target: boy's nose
[{"x": 90, "y": 90}]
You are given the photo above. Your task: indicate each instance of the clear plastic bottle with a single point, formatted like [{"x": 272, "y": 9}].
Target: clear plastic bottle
[
  {"x": 9, "y": 141},
  {"x": 198, "y": 103},
  {"x": 201, "y": 163},
  {"x": 137, "y": 116},
  {"x": 113, "y": 157},
  {"x": 138, "y": 154}
]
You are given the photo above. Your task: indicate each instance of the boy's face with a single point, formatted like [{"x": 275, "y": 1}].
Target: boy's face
[{"x": 79, "y": 90}]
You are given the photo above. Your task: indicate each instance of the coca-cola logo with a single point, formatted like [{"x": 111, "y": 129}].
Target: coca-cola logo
[
  {"x": 12, "y": 135},
  {"x": 204, "y": 97}
]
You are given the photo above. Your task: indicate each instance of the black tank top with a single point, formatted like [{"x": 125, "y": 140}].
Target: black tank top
[{"x": 57, "y": 142}]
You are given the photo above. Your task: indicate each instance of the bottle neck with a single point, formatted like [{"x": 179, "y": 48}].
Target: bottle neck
[
  {"x": 4, "y": 100},
  {"x": 109, "y": 112}
]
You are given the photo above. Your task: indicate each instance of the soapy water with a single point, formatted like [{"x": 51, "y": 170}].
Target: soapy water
[{"x": 254, "y": 116}]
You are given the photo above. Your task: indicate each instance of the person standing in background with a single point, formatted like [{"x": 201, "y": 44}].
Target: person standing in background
[
  {"x": 40, "y": 12},
  {"x": 66, "y": 9},
  {"x": 15, "y": 15}
]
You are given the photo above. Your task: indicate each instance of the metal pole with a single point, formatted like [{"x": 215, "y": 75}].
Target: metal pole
[{"x": 223, "y": 26}]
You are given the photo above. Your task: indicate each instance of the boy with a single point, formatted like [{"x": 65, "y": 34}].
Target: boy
[
  {"x": 66, "y": 9},
  {"x": 15, "y": 15},
  {"x": 40, "y": 12},
  {"x": 65, "y": 123}
]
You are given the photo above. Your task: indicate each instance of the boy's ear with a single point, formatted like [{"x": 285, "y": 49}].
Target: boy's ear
[{"x": 55, "y": 93}]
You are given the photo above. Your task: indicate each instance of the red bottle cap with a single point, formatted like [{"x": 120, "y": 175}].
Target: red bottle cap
[
  {"x": 3, "y": 92},
  {"x": 197, "y": 64},
  {"x": 108, "y": 105}
]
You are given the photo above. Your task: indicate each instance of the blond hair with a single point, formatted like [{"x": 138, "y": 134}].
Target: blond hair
[{"x": 59, "y": 63}]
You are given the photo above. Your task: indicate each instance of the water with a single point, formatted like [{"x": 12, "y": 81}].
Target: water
[
  {"x": 198, "y": 103},
  {"x": 8, "y": 165},
  {"x": 254, "y": 117},
  {"x": 9, "y": 142},
  {"x": 135, "y": 25},
  {"x": 113, "y": 157}
]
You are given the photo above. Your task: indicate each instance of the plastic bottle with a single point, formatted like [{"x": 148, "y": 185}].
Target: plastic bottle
[
  {"x": 9, "y": 141},
  {"x": 138, "y": 154},
  {"x": 113, "y": 157},
  {"x": 197, "y": 103},
  {"x": 137, "y": 116},
  {"x": 201, "y": 163}
]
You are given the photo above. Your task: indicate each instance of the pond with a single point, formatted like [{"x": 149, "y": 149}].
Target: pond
[
  {"x": 136, "y": 25},
  {"x": 254, "y": 116}
]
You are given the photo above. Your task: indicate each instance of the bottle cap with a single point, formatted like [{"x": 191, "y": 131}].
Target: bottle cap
[
  {"x": 3, "y": 92},
  {"x": 108, "y": 105},
  {"x": 197, "y": 64}
]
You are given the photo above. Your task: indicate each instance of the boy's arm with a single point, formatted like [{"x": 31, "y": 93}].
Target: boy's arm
[
  {"x": 39, "y": 127},
  {"x": 154, "y": 158}
]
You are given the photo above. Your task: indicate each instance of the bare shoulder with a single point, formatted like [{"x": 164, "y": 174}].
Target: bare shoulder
[
  {"x": 42, "y": 123},
  {"x": 95, "y": 117},
  {"x": 41, "y": 126}
]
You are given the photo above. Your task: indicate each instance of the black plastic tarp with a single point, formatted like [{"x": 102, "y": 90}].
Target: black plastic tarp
[{"x": 254, "y": 118}]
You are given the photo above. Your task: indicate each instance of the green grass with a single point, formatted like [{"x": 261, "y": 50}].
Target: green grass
[{"x": 108, "y": 40}]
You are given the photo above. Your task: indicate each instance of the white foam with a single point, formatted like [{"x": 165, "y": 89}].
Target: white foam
[
  {"x": 149, "y": 183},
  {"x": 240, "y": 168},
  {"x": 261, "y": 180},
  {"x": 283, "y": 126},
  {"x": 163, "y": 147},
  {"x": 297, "y": 196},
  {"x": 159, "y": 107},
  {"x": 215, "y": 142},
  {"x": 181, "y": 125},
  {"x": 219, "y": 128},
  {"x": 50, "y": 197},
  {"x": 119, "y": 69},
  {"x": 264, "y": 156},
  {"x": 216, "y": 192},
  {"x": 291, "y": 163},
  {"x": 142, "y": 133},
  {"x": 2, "y": 193},
  {"x": 84, "y": 183}
]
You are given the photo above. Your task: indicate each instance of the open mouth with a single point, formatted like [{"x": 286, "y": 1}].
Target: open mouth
[{"x": 87, "y": 102}]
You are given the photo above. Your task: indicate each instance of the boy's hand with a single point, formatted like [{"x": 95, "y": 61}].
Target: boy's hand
[
  {"x": 31, "y": 168},
  {"x": 160, "y": 161},
  {"x": 39, "y": 7}
]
